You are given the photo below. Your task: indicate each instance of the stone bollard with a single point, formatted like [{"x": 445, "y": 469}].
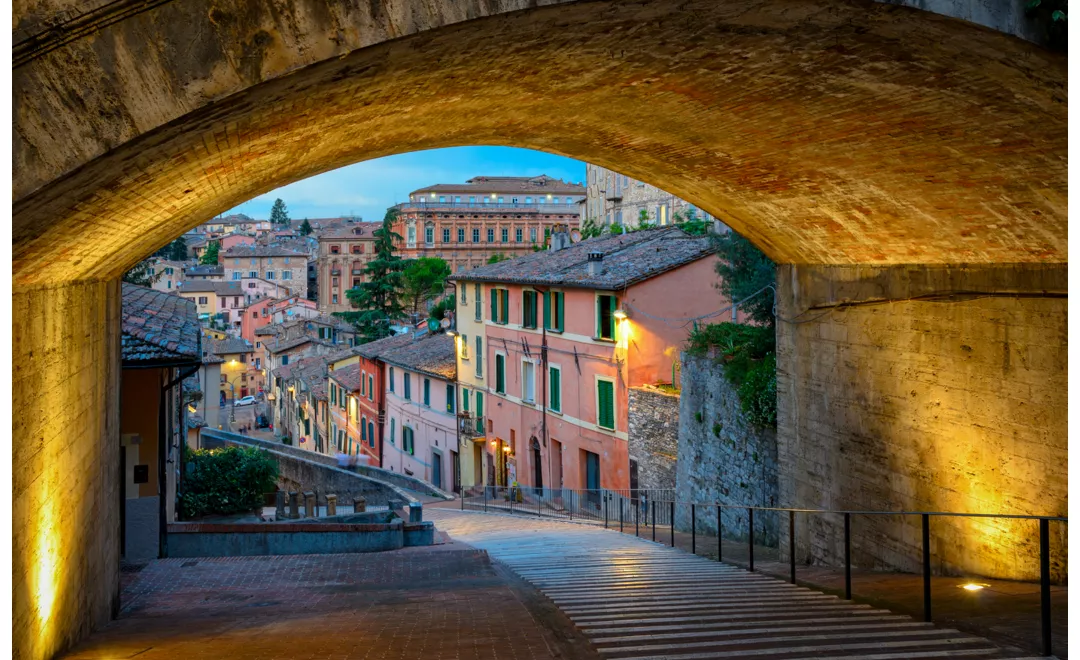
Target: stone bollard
[
  {"x": 416, "y": 512},
  {"x": 359, "y": 504},
  {"x": 294, "y": 505},
  {"x": 279, "y": 503},
  {"x": 331, "y": 505},
  {"x": 309, "y": 504}
]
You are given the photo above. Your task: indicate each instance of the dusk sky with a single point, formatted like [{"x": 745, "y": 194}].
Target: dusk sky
[{"x": 367, "y": 189}]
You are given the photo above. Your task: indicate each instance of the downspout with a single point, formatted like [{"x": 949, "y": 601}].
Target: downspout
[
  {"x": 543, "y": 380},
  {"x": 163, "y": 490}
]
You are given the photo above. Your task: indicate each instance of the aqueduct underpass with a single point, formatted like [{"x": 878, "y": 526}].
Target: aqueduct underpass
[{"x": 908, "y": 162}]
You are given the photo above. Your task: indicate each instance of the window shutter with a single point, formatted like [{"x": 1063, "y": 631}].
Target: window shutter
[
  {"x": 479, "y": 404},
  {"x": 449, "y": 398},
  {"x": 611, "y": 316},
  {"x": 547, "y": 311},
  {"x": 554, "y": 385},
  {"x": 494, "y": 305},
  {"x": 427, "y": 392},
  {"x": 465, "y": 399},
  {"x": 500, "y": 366},
  {"x": 504, "y": 313},
  {"x": 392, "y": 429},
  {"x": 559, "y": 311},
  {"x": 599, "y": 317},
  {"x": 606, "y": 414}
]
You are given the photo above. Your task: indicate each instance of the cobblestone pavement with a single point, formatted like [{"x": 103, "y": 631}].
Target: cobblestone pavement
[
  {"x": 441, "y": 602},
  {"x": 637, "y": 599}
]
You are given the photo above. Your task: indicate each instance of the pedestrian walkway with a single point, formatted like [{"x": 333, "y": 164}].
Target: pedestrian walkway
[{"x": 635, "y": 599}]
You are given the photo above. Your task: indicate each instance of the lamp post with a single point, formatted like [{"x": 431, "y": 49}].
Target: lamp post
[{"x": 232, "y": 405}]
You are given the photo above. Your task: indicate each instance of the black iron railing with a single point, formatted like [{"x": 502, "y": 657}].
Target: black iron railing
[{"x": 656, "y": 510}]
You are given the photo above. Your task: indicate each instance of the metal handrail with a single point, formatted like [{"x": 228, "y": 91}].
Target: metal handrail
[{"x": 595, "y": 504}]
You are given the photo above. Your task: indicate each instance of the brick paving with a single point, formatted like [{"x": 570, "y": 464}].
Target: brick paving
[{"x": 441, "y": 602}]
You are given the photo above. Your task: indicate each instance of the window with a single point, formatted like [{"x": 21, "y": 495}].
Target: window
[
  {"x": 363, "y": 383},
  {"x": 442, "y": 199},
  {"x": 528, "y": 200},
  {"x": 479, "y": 357},
  {"x": 500, "y": 303},
  {"x": 408, "y": 385},
  {"x": 407, "y": 443},
  {"x": 476, "y": 300},
  {"x": 334, "y": 249},
  {"x": 555, "y": 388},
  {"x": 505, "y": 235},
  {"x": 479, "y": 407},
  {"x": 476, "y": 236},
  {"x": 270, "y": 261},
  {"x": 429, "y": 234},
  {"x": 528, "y": 381},
  {"x": 202, "y": 300},
  {"x": 463, "y": 293},
  {"x": 465, "y": 399},
  {"x": 427, "y": 392},
  {"x": 532, "y": 234},
  {"x": 333, "y": 394},
  {"x": 391, "y": 379},
  {"x": 393, "y": 431},
  {"x": 363, "y": 429},
  {"x": 464, "y": 347},
  {"x": 412, "y": 235},
  {"x": 284, "y": 360},
  {"x": 286, "y": 274},
  {"x": 517, "y": 235},
  {"x": 472, "y": 199},
  {"x": 237, "y": 275},
  {"x": 286, "y": 260},
  {"x": 500, "y": 373},
  {"x": 605, "y": 317},
  {"x": 371, "y": 387},
  {"x": 553, "y": 310},
  {"x": 460, "y": 235},
  {"x": 254, "y": 262},
  {"x": 445, "y": 235},
  {"x": 371, "y": 434},
  {"x": 333, "y": 298},
  {"x": 255, "y": 315},
  {"x": 490, "y": 235},
  {"x": 457, "y": 199},
  {"x": 450, "y": 399},
  {"x": 556, "y": 200},
  {"x": 169, "y": 283},
  {"x": 253, "y": 274},
  {"x": 605, "y": 404},
  {"x": 528, "y": 309},
  {"x": 358, "y": 249}
]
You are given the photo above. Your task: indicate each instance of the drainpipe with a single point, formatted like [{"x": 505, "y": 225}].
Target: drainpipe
[
  {"x": 163, "y": 490},
  {"x": 543, "y": 380}
]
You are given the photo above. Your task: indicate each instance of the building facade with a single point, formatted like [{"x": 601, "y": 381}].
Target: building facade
[
  {"x": 466, "y": 224},
  {"x": 276, "y": 265},
  {"x": 614, "y": 199},
  {"x": 344, "y": 252},
  {"x": 606, "y": 310}
]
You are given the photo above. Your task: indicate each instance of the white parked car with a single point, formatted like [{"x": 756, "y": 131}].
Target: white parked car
[{"x": 246, "y": 401}]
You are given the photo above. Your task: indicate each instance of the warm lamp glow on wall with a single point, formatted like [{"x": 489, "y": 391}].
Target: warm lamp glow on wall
[{"x": 973, "y": 586}]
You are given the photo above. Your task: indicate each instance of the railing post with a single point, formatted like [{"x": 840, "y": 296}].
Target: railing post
[
  {"x": 620, "y": 514},
  {"x": 847, "y": 556},
  {"x": 1044, "y": 579},
  {"x": 463, "y": 498},
  {"x": 637, "y": 519},
  {"x": 719, "y": 533},
  {"x": 926, "y": 566},
  {"x": 539, "y": 501},
  {"x": 791, "y": 543},
  {"x": 653, "y": 506},
  {"x": 751, "y": 521},
  {"x": 693, "y": 528},
  {"x": 571, "y": 507},
  {"x": 672, "y": 522},
  {"x": 510, "y": 496},
  {"x": 485, "y": 499},
  {"x": 603, "y": 495}
]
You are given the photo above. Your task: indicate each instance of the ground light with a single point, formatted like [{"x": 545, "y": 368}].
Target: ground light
[{"x": 973, "y": 586}]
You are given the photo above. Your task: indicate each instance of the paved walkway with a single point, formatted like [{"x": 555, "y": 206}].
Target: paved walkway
[{"x": 638, "y": 599}]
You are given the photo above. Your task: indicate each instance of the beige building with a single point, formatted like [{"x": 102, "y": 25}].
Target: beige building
[
  {"x": 343, "y": 253},
  {"x": 276, "y": 265},
  {"x": 616, "y": 199}
]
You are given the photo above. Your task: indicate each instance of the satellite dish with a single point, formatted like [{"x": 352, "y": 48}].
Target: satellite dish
[{"x": 445, "y": 323}]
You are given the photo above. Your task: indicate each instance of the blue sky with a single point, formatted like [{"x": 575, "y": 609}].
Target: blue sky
[{"x": 367, "y": 189}]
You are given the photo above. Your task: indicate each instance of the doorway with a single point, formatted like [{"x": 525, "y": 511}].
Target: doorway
[
  {"x": 592, "y": 476},
  {"x": 436, "y": 468},
  {"x": 478, "y": 464},
  {"x": 538, "y": 471},
  {"x": 455, "y": 467}
]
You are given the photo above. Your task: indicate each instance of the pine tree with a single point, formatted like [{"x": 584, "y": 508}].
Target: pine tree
[
  {"x": 278, "y": 214},
  {"x": 210, "y": 256},
  {"x": 305, "y": 229},
  {"x": 379, "y": 298},
  {"x": 178, "y": 249}
]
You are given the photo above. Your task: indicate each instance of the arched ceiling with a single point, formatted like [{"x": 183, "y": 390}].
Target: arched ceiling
[{"x": 827, "y": 132}]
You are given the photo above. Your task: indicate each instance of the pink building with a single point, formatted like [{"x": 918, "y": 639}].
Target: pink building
[
  {"x": 612, "y": 313},
  {"x": 232, "y": 240}
]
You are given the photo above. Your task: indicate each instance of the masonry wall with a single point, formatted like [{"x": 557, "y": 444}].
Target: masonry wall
[
  {"x": 65, "y": 464},
  {"x": 654, "y": 436},
  {"x": 919, "y": 405},
  {"x": 723, "y": 458}
]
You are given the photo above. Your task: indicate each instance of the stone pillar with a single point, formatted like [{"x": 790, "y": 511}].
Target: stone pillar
[
  {"x": 909, "y": 399},
  {"x": 279, "y": 505},
  {"x": 416, "y": 512},
  {"x": 309, "y": 504},
  {"x": 294, "y": 505},
  {"x": 331, "y": 505},
  {"x": 359, "y": 504}
]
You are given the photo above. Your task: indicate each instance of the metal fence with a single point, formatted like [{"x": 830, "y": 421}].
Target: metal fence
[{"x": 654, "y": 512}]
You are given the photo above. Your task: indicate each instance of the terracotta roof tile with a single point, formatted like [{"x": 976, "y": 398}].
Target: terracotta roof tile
[
  {"x": 157, "y": 326},
  {"x": 430, "y": 354},
  {"x": 348, "y": 377}
]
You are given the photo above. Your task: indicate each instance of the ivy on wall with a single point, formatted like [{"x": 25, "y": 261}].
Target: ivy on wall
[{"x": 748, "y": 356}]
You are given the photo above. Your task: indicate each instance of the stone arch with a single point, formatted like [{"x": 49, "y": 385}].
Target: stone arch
[{"x": 827, "y": 133}]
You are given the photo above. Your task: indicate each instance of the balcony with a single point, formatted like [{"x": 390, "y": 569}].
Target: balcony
[
  {"x": 535, "y": 207},
  {"x": 614, "y": 195},
  {"x": 469, "y": 426},
  {"x": 335, "y": 271}
]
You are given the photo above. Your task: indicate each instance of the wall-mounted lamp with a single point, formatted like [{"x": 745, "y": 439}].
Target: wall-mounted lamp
[
  {"x": 621, "y": 314},
  {"x": 451, "y": 333}
]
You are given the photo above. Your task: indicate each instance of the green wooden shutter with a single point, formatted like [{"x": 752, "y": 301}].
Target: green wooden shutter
[
  {"x": 494, "y": 305},
  {"x": 559, "y": 319},
  {"x": 547, "y": 311},
  {"x": 500, "y": 374},
  {"x": 611, "y": 316},
  {"x": 450, "y": 398},
  {"x": 554, "y": 398},
  {"x": 606, "y": 395},
  {"x": 479, "y": 404},
  {"x": 465, "y": 399},
  {"x": 504, "y": 313},
  {"x": 427, "y": 392},
  {"x": 393, "y": 430},
  {"x": 599, "y": 317}
]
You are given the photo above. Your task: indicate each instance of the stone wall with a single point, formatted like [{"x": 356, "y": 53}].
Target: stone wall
[
  {"x": 654, "y": 436},
  {"x": 65, "y": 465},
  {"x": 722, "y": 458},
  {"x": 925, "y": 405}
]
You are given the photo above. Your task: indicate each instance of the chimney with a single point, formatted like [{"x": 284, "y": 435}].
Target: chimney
[
  {"x": 595, "y": 260},
  {"x": 560, "y": 238}
]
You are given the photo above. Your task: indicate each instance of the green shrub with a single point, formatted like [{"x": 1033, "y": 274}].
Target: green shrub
[
  {"x": 748, "y": 355},
  {"x": 226, "y": 480}
]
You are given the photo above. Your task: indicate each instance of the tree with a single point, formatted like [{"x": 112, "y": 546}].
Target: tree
[
  {"x": 497, "y": 257},
  {"x": 439, "y": 309},
  {"x": 210, "y": 255},
  {"x": 178, "y": 249},
  {"x": 377, "y": 299},
  {"x": 745, "y": 270},
  {"x": 278, "y": 214},
  {"x": 424, "y": 279},
  {"x": 142, "y": 274},
  {"x": 590, "y": 228},
  {"x": 305, "y": 229}
]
